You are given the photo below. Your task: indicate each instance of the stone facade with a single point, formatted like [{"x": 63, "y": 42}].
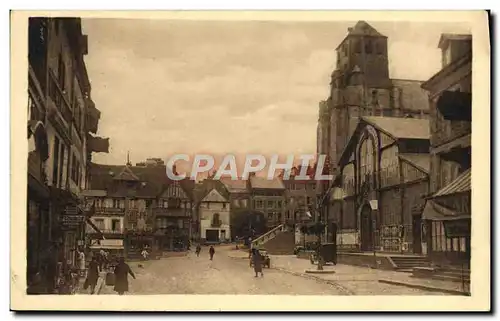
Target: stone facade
[{"x": 215, "y": 219}]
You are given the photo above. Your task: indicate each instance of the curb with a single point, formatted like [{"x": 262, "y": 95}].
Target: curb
[
  {"x": 425, "y": 287},
  {"x": 318, "y": 279}
]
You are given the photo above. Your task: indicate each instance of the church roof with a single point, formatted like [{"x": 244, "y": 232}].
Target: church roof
[
  {"x": 362, "y": 28},
  {"x": 409, "y": 128}
]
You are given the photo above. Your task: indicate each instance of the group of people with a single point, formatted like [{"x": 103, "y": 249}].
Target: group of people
[
  {"x": 120, "y": 271},
  {"x": 211, "y": 251}
]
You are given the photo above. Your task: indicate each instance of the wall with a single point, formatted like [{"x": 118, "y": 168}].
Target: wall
[{"x": 207, "y": 210}]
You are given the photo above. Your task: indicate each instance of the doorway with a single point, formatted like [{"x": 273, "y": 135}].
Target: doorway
[
  {"x": 366, "y": 228},
  {"x": 212, "y": 235},
  {"x": 417, "y": 234}
]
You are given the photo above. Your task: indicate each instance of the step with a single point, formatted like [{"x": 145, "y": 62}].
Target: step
[{"x": 442, "y": 278}]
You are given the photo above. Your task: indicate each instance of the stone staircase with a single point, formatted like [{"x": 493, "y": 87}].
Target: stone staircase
[
  {"x": 407, "y": 263},
  {"x": 278, "y": 241}
]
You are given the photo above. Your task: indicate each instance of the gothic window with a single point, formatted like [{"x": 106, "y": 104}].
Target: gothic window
[
  {"x": 366, "y": 159},
  {"x": 357, "y": 46},
  {"x": 368, "y": 46}
]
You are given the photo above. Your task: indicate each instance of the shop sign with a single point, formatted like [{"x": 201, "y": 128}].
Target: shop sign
[
  {"x": 72, "y": 220},
  {"x": 458, "y": 228}
]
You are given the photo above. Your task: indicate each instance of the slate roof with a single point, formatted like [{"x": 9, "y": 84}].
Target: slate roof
[
  {"x": 409, "y": 128},
  {"x": 362, "y": 28},
  {"x": 234, "y": 186},
  {"x": 413, "y": 96},
  {"x": 264, "y": 183},
  {"x": 154, "y": 177},
  {"x": 422, "y": 161}
]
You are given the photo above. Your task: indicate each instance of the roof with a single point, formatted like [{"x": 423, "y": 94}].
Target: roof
[
  {"x": 409, "y": 128},
  {"x": 413, "y": 96},
  {"x": 214, "y": 196},
  {"x": 154, "y": 177},
  {"x": 234, "y": 186},
  {"x": 460, "y": 185},
  {"x": 264, "y": 183},
  {"x": 422, "y": 161},
  {"x": 362, "y": 28}
]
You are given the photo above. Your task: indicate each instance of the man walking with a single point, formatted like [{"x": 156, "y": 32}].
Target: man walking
[
  {"x": 198, "y": 250},
  {"x": 211, "y": 252}
]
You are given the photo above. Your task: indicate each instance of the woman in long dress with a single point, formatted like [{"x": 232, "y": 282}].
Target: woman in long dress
[
  {"x": 257, "y": 263},
  {"x": 122, "y": 270}
]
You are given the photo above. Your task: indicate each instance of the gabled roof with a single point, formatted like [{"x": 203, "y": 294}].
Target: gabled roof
[
  {"x": 151, "y": 180},
  {"x": 214, "y": 196},
  {"x": 126, "y": 175},
  {"x": 264, "y": 183},
  {"x": 421, "y": 161},
  {"x": 409, "y": 128},
  {"x": 234, "y": 186}
]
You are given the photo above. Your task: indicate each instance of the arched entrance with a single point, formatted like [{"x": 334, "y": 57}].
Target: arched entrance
[{"x": 366, "y": 227}]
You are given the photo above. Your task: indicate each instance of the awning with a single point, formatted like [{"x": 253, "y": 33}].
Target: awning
[
  {"x": 95, "y": 228},
  {"x": 460, "y": 185},
  {"x": 435, "y": 212}
]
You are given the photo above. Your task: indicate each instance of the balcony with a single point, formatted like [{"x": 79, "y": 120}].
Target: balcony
[
  {"x": 173, "y": 212},
  {"x": 59, "y": 98},
  {"x": 216, "y": 223},
  {"x": 105, "y": 231},
  {"x": 106, "y": 211}
]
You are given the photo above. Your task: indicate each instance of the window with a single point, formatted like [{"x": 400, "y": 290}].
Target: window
[
  {"x": 55, "y": 171},
  {"x": 132, "y": 203},
  {"x": 279, "y": 204},
  {"x": 61, "y": 165},
  {"x": 223, "y": 206},
  {"x": 368, "y": 46},
  {"x": 374, "y": 97},
  {"x": 115, "y": 225},
  {"x": 379, "y": 48},
  {"x": 116, "y": 203},
  {"x": 270, "y": 216},
  {"x": 259, "y": 204},
  {"x": 279, "y": 217},
  {"x": 99, "y": 223},
  {"x": 62, "y": 73},
  {"x": 357, "y": 46},
  {"x": 270, "y": 204}
]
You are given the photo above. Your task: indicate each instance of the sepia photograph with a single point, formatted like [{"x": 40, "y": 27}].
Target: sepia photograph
[{"x": 268, "y": 155}]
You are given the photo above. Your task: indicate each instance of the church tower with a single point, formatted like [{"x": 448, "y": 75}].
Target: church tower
[{"x": 360, "y": 85}]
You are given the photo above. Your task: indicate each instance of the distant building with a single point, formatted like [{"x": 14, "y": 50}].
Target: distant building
[
  {"x": 448, "y": 209},
  {"x": 214, "y": 212},
  {"x": 384, "y": 175},
  {"x": 268, "y": 197}
]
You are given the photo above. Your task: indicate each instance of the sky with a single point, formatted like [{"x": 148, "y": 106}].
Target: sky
[{"x": 174, "y": 86}]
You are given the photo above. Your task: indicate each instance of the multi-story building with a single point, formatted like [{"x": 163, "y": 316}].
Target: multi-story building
[
  {"x": 239, "y": 198},
  {"x": 384, "y": 175},
  {"x": 300, "y": 196},
  {"x": 62, "y": 121},
  {"x": 173, "y": 215},
  {"x": 214, "y": 212},
  {"x": 125, "y": 195},
  {"x": 268, "y": 197},
  {"x": 448, "y": 208}
]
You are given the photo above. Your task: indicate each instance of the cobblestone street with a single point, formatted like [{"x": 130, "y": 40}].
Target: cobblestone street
[
  {"x": 230, "y": 274},
  {"x": 223, "y": 275}
]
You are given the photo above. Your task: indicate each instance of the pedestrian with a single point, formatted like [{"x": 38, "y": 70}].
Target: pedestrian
[
  {"x": 257, "y": 263},
  {"x": 81, "y": 262},
  {"x": 92, "y": 275},
  {"x": 198, "y": 250},
  {"x": 122, "y": 270},
  {"x": 211, "y": 252}
]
